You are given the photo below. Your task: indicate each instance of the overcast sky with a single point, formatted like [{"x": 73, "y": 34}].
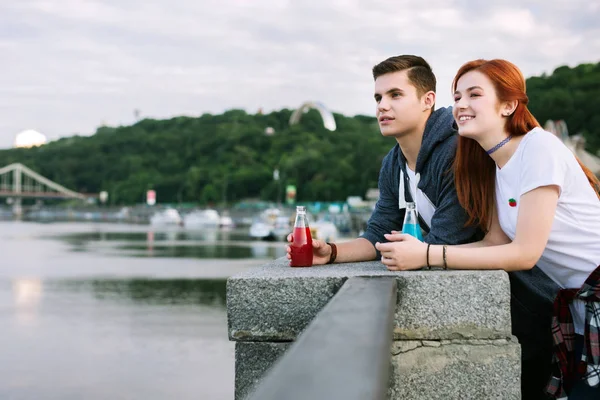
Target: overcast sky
[{"x": 68, "y": 66}]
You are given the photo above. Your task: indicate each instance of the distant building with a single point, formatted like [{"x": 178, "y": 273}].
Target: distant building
[
  {"x": 372, "y": 194},
  {"x": 575, "y": 143},
  {"x": 30, "y": 138}
]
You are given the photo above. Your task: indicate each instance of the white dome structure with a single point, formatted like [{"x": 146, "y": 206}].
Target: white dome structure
[
  {"x": 328, "y": 119},
  {"x": 30, "y": 138}
]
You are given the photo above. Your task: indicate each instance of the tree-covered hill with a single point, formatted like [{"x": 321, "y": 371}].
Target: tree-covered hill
[
  {"x": 572, "y": 94},
  {"x": 216, "y": 157}
]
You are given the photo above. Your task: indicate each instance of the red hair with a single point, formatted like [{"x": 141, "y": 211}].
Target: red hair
[{"x": 474, "y": 170}]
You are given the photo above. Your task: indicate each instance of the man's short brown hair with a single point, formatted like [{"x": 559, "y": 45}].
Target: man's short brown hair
[{"x": 418, "y": 71}]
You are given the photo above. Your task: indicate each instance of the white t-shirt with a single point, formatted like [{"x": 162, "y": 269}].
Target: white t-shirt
[
  {"x": 573, "y": 248},
  {"x": 424, "y": 206}
]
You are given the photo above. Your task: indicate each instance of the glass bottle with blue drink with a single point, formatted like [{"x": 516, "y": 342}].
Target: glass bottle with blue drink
[{"x": 411, "y": 222}]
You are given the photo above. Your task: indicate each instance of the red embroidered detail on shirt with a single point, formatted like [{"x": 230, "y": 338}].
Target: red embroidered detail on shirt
[{"x": 512, "y": 202}]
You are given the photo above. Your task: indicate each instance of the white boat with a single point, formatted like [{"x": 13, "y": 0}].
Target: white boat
[
  {"x": 260, "y": 230},
  {"x": 202, "y": 219},
  {"x": 168, "y": 217},
  {"x": 324, "y": 230},
  {"x": 226, "y": 221},
  {"x": 271, "y": 225}
]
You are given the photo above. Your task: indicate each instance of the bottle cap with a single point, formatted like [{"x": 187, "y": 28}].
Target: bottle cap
[{"x": 301, "y": 208}]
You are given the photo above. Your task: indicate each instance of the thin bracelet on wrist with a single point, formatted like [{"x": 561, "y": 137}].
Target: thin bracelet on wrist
[
  {"x": 444, "y": 256},
  {"x": 428, "y": 265},
  {"x": 333, "y": 254}
]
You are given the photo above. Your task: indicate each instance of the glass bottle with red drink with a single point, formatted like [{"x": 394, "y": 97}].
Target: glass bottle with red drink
[{"x": 301, "y": 246}]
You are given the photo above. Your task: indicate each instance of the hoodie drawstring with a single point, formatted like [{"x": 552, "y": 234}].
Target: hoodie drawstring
[{"x": 401, "y": 198}]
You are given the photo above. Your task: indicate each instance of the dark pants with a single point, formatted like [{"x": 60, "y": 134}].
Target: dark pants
[
  {"x": 581, "y": 390},
  {"x": 532, "y": 299}
]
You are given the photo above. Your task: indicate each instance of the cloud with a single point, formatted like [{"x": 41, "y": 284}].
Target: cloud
[{"x": 70, "y": 65}]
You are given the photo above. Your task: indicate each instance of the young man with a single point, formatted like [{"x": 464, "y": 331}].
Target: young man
[{"x": 418, "y": 168}]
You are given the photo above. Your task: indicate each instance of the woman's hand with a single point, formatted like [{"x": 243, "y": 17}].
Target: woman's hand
[{"x": 403, "y": 252}]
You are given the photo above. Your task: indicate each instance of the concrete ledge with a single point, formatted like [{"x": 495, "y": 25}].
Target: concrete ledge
[
  {"x": 345, "y": 351},
  {"x": 252, "y": 360},
  {"x": 438, "y": 304},
  {"x": 452, "y": 370},
  {"x": 275, "y": 302}
]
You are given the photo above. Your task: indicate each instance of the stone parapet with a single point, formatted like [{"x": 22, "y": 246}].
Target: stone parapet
[
  {"x": 451, "y": 329},
  {"x": 275, "y": 302}
]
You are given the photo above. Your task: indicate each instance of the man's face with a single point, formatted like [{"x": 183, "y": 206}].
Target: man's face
[{"x": 399, "y": 108}]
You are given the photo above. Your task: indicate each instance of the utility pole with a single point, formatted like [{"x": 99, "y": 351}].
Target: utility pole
[
  {"x": 276, "y": 178},
  {"x": 17, "y": 207}
]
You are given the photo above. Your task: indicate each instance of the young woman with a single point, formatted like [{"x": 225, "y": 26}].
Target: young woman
[{"x": 540, "y": 210}]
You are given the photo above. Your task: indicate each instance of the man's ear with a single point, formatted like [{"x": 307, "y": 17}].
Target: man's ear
[{"x": 428, "y": 100}]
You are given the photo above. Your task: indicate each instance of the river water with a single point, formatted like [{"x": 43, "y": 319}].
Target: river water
[{"x": 111, "y": 311}]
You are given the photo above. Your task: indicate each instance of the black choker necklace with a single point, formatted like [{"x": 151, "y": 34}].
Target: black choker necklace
[{"x": 496, "y": 147}]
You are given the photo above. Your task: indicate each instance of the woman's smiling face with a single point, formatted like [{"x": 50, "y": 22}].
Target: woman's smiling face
[{"x": 476, "y": 110}]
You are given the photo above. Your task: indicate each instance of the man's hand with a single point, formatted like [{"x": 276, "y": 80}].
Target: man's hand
[
  {"x": 403, "y": 252},
  {"x": 321, "y": 251}
]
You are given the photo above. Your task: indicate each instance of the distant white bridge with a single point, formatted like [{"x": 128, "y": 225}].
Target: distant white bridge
[{"x": 19, "y": 182}]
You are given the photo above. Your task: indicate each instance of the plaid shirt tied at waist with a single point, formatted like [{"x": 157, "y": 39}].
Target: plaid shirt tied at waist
[{"x": 566, "y": 370}]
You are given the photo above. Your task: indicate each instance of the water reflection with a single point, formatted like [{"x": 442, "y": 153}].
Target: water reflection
[
  {"x": 115, "y": 339},
  {"x": 212, "y": 243},
  {"x": 208, "y": 235},
  {"x": 81, "y": 319},
  {"x": 265, "y": 250},
  {"x": 27, "y": 293},
  {"x": 152, "y": 291},
  {"x": 252, "y": 250},
  {"x": 150, "y": 243}
]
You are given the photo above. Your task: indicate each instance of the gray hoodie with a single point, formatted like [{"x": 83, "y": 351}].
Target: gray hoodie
[{"x": 434, "y": 166}]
